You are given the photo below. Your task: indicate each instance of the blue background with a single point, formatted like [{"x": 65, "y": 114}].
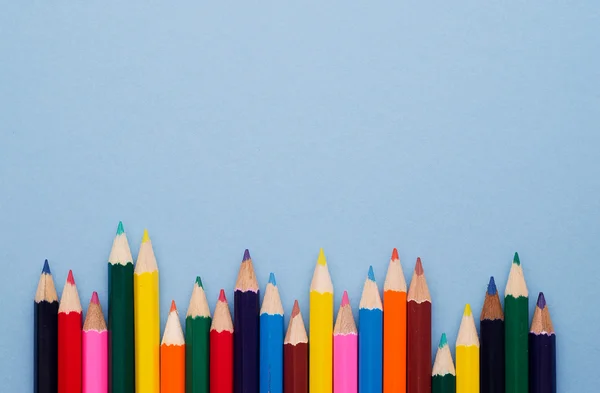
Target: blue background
[{"x": 456, "y": 131}]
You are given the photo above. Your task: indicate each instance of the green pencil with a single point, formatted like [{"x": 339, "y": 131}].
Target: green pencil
[
  {"x": 443, "y": 379},
  {"x": 197, "y": 330},
  {"x": 516, "y": 327},
  {"x": 121, "y": 361}
]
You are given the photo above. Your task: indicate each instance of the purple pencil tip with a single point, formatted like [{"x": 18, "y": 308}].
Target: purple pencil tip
[
  {"x": 246, "y": 256},
  {"x": 541, "y": 302}
]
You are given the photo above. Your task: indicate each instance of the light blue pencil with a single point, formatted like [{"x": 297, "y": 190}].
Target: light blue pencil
[
  {"x": 370, "y": 338},
  {"x": 271, "y": 340}
]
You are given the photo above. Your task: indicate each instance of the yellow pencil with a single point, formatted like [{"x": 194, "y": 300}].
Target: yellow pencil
[
  {"x": 147, "y": 320},
  {"x": 467, "y": 355},
  {"x": 321, "y": 328}
]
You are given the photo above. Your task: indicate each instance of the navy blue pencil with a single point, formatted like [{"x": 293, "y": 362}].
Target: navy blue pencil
[
  {"x": 542, "y": 350},
  {"x": 271, "y": 340},
  {"x": 370, "y": 338},
  {"x": 246, "y": 328}
]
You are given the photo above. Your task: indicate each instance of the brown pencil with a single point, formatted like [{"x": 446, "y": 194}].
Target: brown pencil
[{"x": 295, "y": 355}]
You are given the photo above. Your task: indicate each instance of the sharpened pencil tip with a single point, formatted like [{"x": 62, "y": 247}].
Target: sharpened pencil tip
[
  {"x": 443, "y": 341},
  {"x": 199, "y": 282},
  {"x": 516, "y": 259},
  {"x": 345, "y": 299},
  {"x": 295, "y": 309},
  {"x": 70, "y": 278},
  {"x": 419, "y": 267},
  {"x": 371, "y": 274},
  {"x": 246, "y": 256},
  {"x": 541, "y": 302},
  {"x": 173, "y": 306},
  {"x": 95, "y": 299},
  {"x": 491, "y": 289},
  {"x": 46, "y": 268},
  {"x": 222, "y": 297},
  {"x": 395, "y": 254},
  {"x": 467, "y": 311},
  {"x": 120, "y": 229},
  {"x": 145, "y": 237},
  {"x": 321, "y": 260},
  {"x": 272, "y": 279}
]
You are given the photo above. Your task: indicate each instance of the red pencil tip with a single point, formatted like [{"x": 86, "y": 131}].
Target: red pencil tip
[
  {"x": 222, "y": 297},
  {"x": 70, "y": 278},
  {"x": 95, "y": 299},
  {"x": 419, "y": 267},
  {"x": 345, "y": 300},
  {"x": 395, "y": 255},
  {"x": 296, "y": 309},
  {"x": 173, "y": 306}
]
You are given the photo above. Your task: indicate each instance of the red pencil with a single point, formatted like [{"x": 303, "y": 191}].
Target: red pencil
[
  {"x": 69, "y": 339},
  {"x": 221, "y": 348}
]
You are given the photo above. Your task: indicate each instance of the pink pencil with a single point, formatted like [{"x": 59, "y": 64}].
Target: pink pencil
[
  {"x": 94, "y": 350},
  {"x": 345, "y": 350}
]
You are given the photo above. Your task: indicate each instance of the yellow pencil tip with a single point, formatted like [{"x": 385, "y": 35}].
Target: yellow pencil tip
[
  {"x": 145, "y": 237},
  {"x": 321, "y": 260},
  {"x": 467, "y": 310}
]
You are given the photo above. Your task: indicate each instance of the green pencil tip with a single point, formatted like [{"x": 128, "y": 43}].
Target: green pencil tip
[
  {"x": 120, "y": 229},
  {"x": 443, "y": 341},
  {"x": 199, "y": 282},
  {"x": 516, "y": 259}
]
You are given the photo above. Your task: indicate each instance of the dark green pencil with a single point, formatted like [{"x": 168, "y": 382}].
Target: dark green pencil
[
  {"x": 443, "y": 379},
  {"x": 197, "y": 333}
]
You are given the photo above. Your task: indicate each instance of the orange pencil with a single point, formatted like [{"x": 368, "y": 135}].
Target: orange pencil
[
  {"x": 172, "y": 355},
  {"x": 394, "y": 328}
]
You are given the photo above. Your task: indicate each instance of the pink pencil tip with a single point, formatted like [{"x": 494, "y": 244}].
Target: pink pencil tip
[
  {"x": 70, "y": 278},
  {"x": 222, "y": 297},
  {"x": 95, "y": 299},
  {"x": 296, "y": 309},
  {"x": 419, "y": 267},
  {"x": 345, "y": 300},
  {"x": 173, "y": 306},
  {"x": 395, "y": 255}
]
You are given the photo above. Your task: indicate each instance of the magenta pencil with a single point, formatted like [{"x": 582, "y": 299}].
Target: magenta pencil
[
  {"x": 345, "y": 350},
  {"x": 94, "y": 342}
]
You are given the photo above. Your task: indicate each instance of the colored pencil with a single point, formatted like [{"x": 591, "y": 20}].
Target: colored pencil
[
  {"x": 443, "y": 378},
  {"x": 147, "y": 320},
  {"x": 45, "y": 331},
  {"x": 246, "y": 326},
  {"x": 418, "y": 333},
  {"x": 491, "y": 352},
  {"x": 345, "y": 350},
  {"x": 172, "y": 355},
  {"x": 516, "y": 329},
  {"x": 94, "y": 346},
  {"x": 321, "y": 328},
  {"x": 394, "y": 328},
  {"x": 295, "y": 354},
  {"x": 221, "y": 348},
  {"x": 542, "y": 350},
  {"x": 197, "y": 336},
  {"x": 121, "y": 337},
  {"x": 370, "y": 337},
  {"x": 467, "y": 355},
  {"x": 69, "y": 338},
  {"x": 271, "y": 340}
]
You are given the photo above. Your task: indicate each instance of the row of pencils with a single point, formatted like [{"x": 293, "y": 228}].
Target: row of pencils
[{"x": 389, "y": 352}]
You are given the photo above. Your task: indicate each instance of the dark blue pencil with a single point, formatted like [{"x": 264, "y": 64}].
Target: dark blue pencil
[
  {"x": 542, "y": 350},
  {"x": 271, "y": 340},
  {"x": 370, "y": 338}
]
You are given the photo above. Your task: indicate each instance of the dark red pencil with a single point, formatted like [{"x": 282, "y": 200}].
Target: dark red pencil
[
  {"x": 418, "y": 331},
  {"x": 221, "y": 348},
  {"x": 69, "y": 339},
  {"x": 295, "y": 354}
]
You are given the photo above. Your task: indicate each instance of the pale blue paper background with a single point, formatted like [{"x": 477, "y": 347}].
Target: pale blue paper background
[{"x": 457, "y": 131}]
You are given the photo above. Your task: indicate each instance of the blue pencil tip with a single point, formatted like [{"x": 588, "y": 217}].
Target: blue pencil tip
[
  {"x": 120, "y": 229},
  {"x": 246, "y": 256},
  {"x": 371, "y": 274},
  {"x": 541, "y": 302},
  {"x": 272, "y": 279},
  {"x": 492, "y": 287},
  {"x": 46, "y": 268}
]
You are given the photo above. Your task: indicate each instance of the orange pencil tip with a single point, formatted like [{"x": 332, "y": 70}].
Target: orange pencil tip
[
  {"x": 173, "y": 306},
  {"x": 395, "y": 255}
]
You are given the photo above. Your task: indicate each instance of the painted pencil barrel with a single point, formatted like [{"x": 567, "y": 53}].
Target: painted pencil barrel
[
  {"x": 491, "y": 356},
  {"x": 321, "y": 342},
  {"x": 69, "y": 352},
  {"x": 271, "y": 353},
  {"x": 296, "y": 368},
  {"x": 394, "y": 342},
  {"x": 345, "y": 363},
  {"x": 45, "y": 378},
  {"x": 418, "y": 349},
  {"x": 147, "y": 333},
  {"x": 467, "y": 369},
  {"x": 197, "y": 354},
  {"x": 172, "y": 368},
  {"x": 246, "y": 328},
  {"x": 443, "y": 383},
  {"x": 370, "y": 357},
  {"x": 121, "y": 339},
  {"x": 95, "y": 361},
  {"x": 542, "y": 363},
  {"x": 221, "y": 362},
  {"x": 516, "y": 321}
]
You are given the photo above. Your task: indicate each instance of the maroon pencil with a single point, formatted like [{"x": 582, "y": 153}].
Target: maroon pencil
[
  {"x": 295, "y": 355},
  {"x": 418, "y": 349}
]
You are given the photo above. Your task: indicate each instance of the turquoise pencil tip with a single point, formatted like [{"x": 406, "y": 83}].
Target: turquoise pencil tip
[
  {"x": 443, "y": 341},
  {"x": 199, "y": 282},
  {"x": 120, "y": 229},
  {"x": 371, "y": 274},
  {"x": 516, "y": 259},
  {"x": 272, "y": 279}
]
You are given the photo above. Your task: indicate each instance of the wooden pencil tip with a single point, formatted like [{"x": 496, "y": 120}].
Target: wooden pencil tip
[
  {"x": 295, "y": 309},
  {"x": 419, "y": 267},
  {"x": 95, "y": 299},
  {"x": 70, "y": 278},
  {"x": 145, "y": 237},
  {"x": 222, "y": 297},
  {"x": 173, "y": 306},
  {"x": 345, "y": 300},
  {"x": 395, "y": 254}
]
